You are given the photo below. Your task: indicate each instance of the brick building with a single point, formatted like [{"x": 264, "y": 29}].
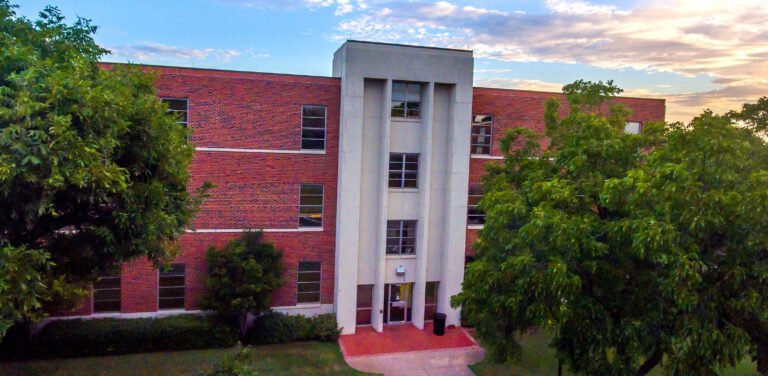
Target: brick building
[{"x": 366, "y": 180}]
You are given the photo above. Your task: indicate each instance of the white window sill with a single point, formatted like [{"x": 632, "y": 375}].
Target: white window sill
[
  {"x": 400, "y": 257},
  {"x": 404, "y": 190},
  {"x": 482, "y": 156},
  {"x": 309, "y": 229},
  {"x": 475, "y": 227},
  {"x": 405, "y": 120}
]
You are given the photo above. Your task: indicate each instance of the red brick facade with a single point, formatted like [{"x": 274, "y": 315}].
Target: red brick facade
[{"x": 259, "y": 189}]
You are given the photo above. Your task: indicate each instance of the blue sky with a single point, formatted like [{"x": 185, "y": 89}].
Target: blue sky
[{"x": 696, "y": 54}]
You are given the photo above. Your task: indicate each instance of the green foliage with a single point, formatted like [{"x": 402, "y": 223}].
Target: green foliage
[
  {"x": 93, "y": 171},
  {"x": 242, "y": 276},
  {"x": 272, "y": 328},
  {"x": 631, "y": 248},
  {"x": 69, "y": 338},
  {"x": 754, "y": 115},
  {"x": 237, "y": 365},
  {"x": 22, "y": 290}
]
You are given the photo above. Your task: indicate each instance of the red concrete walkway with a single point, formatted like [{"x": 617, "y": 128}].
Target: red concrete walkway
[{"x": 401, "y": 338}]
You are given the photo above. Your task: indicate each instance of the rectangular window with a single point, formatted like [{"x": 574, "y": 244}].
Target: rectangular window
[
  {"x": 482, "y": 134},
  {"x": 475, "y": 216},
  {"x": 178, "y": 107},
  {"x": 633, "y": 127},
  {"x": 401, "y": 237},
  {"x": 430, "y": 300},
  {"x": 364, "y": 304},
  {"x": 311, "y": 205},
  {"x": 406, "y": 100},
  {"x": 308, "y": 286},
  {"x": 403, "y": 170},
  {"x": 171, "y": 287},
  {"x": 106, "y": 293},
  {"x": 313, "y": 127}
]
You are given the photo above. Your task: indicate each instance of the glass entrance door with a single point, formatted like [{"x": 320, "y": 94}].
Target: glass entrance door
[{"x": 397, "y": 302}]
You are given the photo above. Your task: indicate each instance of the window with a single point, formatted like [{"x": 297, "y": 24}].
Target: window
[
  {"x": 308, "y": 286},
  {"x": 430, "y": 300},
  {"x": 403, "y": 170},
  {"x": 171, "y": 288},
  {"x": 401, "y": 237},
  {"x": 475, "y": 216},
  {"x": 482, "y": 134},
  {"x": 633, "y": 127},
  {"x": 406, "y": 100},
  {"x": 364, "y": 304},
  {"x": 106, "y": 293},
  {"x": 178, "y": 107},
  {"x": 311, "y": 205},
  {"x": 313, "y": 127}
]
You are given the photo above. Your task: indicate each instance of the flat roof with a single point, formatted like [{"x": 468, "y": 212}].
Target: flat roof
[{"x": 407, "y": 45}]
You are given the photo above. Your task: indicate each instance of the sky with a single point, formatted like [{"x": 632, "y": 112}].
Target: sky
[{"x": 695, "y": 53}]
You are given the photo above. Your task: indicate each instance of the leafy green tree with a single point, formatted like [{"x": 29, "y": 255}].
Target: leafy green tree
[
  {"x": 242, "y": 276},
  {"x": 22, "y": 290},
  {"x": 93, "y": 171},
  {"x": 754, "y": 115},
  {"x": 630, "y": 248}
]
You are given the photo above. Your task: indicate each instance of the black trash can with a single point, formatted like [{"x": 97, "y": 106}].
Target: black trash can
[{"x": 439, "y": 324}]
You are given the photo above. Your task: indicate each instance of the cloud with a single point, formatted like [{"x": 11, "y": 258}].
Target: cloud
[
  {"x": 727, "y": 41},
  {"x": 159, "y": 52}
]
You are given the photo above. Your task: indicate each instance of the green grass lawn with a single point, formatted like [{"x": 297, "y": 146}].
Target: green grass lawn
[
  {"x": 303, "y": 358},
  {"x": 539, "y": 359}
]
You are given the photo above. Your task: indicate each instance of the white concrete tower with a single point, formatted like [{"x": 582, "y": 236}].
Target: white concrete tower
[{"x": 403, "y": 179}]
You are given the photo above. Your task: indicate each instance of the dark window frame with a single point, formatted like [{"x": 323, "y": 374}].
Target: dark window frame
[
  {"x": 173, "y": 272},
  {"x": 305, "y": 129},
  {"x": 401, "y": 171},
  {"x": 96, "y": 291},
  {"x": 396, "y": 244},
  {"x": 368, "y": 308},
  {"x": 407, "y": 108},
  {"x": 185, "y": 111},
  {"x": 299, "y": 282},
  {"x": 481, "y": 122},
  {"x": 475, "y": 216},
  {"x": 307, "y": 221}
]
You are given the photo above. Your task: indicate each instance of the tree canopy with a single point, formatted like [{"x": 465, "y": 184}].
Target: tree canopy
[
  {"x": 93, "y": 170},
  {"x": 631, "y": 249}
]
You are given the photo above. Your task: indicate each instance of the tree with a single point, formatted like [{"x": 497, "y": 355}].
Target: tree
[
  {"x": 93, "y": 171},
  {"x": 242, "y": 276},
  {"x": 631, "y": 248},
  {"x": 754, "y": 115}
]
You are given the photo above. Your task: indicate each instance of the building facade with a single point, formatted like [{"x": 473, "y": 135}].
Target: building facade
[{"x": 367, "y": 181}]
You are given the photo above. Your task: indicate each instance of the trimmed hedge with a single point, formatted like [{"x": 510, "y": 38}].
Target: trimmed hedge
[
  {"x": 69, "y": 338},
  {"x": 272, "y": 328}
]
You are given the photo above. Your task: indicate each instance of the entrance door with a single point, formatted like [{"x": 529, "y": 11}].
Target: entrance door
[{"x": 397, "y": 302}]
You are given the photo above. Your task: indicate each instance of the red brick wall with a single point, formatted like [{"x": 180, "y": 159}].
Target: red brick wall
[{"x": 520, "y": 108}]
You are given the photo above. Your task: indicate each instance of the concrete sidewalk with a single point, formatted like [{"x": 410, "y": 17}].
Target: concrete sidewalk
[{"x": 445, "y": 362}]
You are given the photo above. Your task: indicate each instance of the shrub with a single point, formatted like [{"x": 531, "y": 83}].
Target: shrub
[
  {"x": 276, "y": 327},
  {"x": 241, "y": 277},
  {"x": 66, "y": 338},
  {"x": 237, "y": 365}
]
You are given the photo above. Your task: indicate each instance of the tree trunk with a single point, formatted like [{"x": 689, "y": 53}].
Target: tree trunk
[{"x": 650, "y": 363}]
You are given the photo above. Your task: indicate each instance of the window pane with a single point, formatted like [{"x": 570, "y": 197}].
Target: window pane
[
  {"x": 318, "y": 123},
  {"x": 363, "y": 317},
  {"x": 106, "y": 306},
  {"x": 107, "y": 283},
  {"x": 414, "y": 93},
  {"x": 313, "y": 111},
  {"x": 175, "y": 269},
  {"x": 633, "y": 127},
  {"x": 176, "y": 104},
  {"x": 309, "y": 266},
  {"x": 312, "y": 189},
  {"x": 112, "y": 294},
  {"x": 410, "y": 184},
  {"x": 172, "y": 292},
  {"x": 309, "y": 276},
  {"x": 412, "y": 158},
  {"x": 308, "y": 287},
  {"x": 310, "y": 222},
  {"x": 313, "y": 144},
  {"x": 398, "y": 91},
  {"x": 311, "y": 205},
  {"x": 173, "y": 303},
  {"x": 171, "y": 281},
  {"x": 308, "y": 297}
]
